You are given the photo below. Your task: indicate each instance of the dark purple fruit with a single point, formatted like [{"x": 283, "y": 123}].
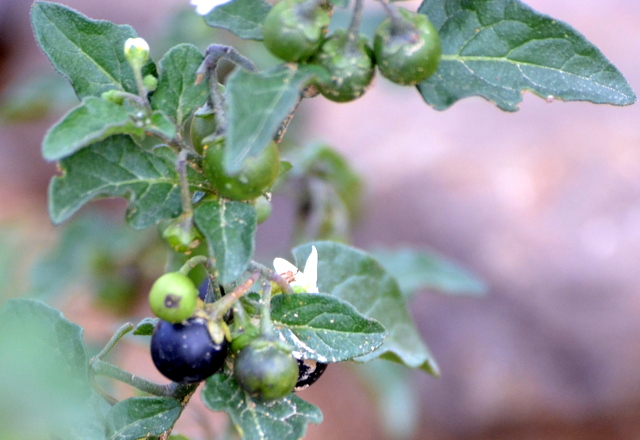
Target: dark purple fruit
[
  {"x": 309, "y": 371},
  {"x": 185, "y": 352}
]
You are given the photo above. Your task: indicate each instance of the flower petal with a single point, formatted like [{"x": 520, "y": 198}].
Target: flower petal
[
  {"x": 282, "y": 266},
  {"x": 311, "y": 269}
]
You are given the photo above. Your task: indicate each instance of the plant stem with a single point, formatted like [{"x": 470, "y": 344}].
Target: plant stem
[
  {"x": 271, "y": 276},
  {"x": 119, "y": 334},
  {"x": 266, "y": 326},
  {"x": 185, "y": 194},
  {"x": 193, "y": 262},
  {"x": 102, "y": 368},
  {"x": 209, "y": 70},
  {"x": 354, "y": 27},
  {"x": 220, "y": 307}
]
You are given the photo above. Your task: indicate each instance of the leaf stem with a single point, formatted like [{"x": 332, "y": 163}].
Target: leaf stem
[
  {"x": 266, "y": 326},
  {"x": 102, "y": 368},
  {"x": 185, "y": 194}
]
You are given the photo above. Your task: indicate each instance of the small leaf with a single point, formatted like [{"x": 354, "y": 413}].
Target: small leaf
[
  {"x": 355, "y": 277},
  {"x": 258, "y": 103},
  {"x": 145, "y": 327},
  {"x": 139, "y": 417},
  {"x": 283, "y": 419},
  {"x": 243, "y": 18},
  {"x": 325, "y": 328},
  {"x": 498, "y": 49},
  {"x": 425, "y": 269},
  {"x": 117, "y": 167},
  {"x": 229, "y": 228},
  {"x": 93, "y": 120},
  {"x": 177, "y": 94},
  {"x": 161, "y": 123},
  {"x": 89, "y": 53}
]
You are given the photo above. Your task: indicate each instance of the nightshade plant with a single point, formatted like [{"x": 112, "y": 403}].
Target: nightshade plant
[{"x": 182, "y": 149}]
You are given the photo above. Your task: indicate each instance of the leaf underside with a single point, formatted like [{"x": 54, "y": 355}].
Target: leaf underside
[
  {"x": 498, "y": 49},
  {"x": 243, "y": 18}
]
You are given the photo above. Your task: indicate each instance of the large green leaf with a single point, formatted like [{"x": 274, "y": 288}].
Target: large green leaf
[
  {"x": 283, "y": 419},
  {"x": 139, "y": 417},
  {"x": 229, "y": 228},
  {"x": 117, "y": 167},
  {"x": 325, "y": 328},
  {"x": 93, "y": 120},
  {"x": 44, "y": 382},
  {"x": 426, "y": 269},
  {"x": 89, "y": 53},
  {"x": 355, "y": 277},
  {"x": 258, "y": 103},
  {"x": 498, "y": 49},
  {"x": 241, "y": 17},
  {"x": 177, "y": 93}
]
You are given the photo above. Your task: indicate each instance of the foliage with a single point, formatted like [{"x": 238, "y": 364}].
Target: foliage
[{"x": 128, "y": 137}]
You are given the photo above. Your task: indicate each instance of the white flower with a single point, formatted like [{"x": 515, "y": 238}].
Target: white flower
[
  {"x": 203, "y": 7},
  {"x": 307, "y": 279}
]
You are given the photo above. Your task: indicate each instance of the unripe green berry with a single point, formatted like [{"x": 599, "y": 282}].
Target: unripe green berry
[{"x": 173, "y": 297}]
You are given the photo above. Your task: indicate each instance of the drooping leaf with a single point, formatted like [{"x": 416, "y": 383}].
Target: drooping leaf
[
  {"x": 44, "y": 381},
  {"x": 283, "y": 419},
  {"x": 498, "y": 49},
  {"x": 243, "y": 18},
  {"x": 93, "y": 120},
  {"x": 229, "y": 228},
  {"x": 139, "y": 417},
  {"x": 258, "y": 103},
  {"x": 145, "y": 327},
  {"x": 425, "y": 269},
  {"x": 177, "y": 94},
  {"x": 355, "y": 277},
  {"x": 396, "y": 396},
  {"x": 325, "y": 328},
  {"x": 117, "y": 167},
  {"x": 89, "y": 53}
]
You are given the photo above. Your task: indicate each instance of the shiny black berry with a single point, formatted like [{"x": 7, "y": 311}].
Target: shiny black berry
[
  {"x": 185, "y": 352},
  {"x": 309, "y": 371}
]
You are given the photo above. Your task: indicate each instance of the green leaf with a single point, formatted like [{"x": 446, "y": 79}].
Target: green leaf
[
  {"x": 139, "y": 417},
  {"x": 498, "y": 49},
  {"x": 284, "y": 419},
  {"x": 397, "y": 398},
  {"x": 325, "y": 328},
  {"x": 229, "y": 228},
  {"x": 89, "y": 53},
  {"x": 426, "y": 269},
  {"x": 93, "y": 120},
  {"x": 258, "y": 103},
  {"x": 243, "y": 18},
  {"x": 117, "y": 167},
  {"x": 44, "y": 381},
  {"x": 145, "y": 327},
  {"x": 160, "y": 123},
  {"x": 177, "y": 94},
  {"x": 355, "y": 277}
]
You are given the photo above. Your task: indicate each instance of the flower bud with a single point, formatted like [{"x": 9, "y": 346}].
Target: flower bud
[
  {"x": 137, "y": 52},
  {"x": 150, "y": 82}
]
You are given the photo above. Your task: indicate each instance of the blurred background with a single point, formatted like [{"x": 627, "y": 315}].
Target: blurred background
[{"x": 542, "y": 204}]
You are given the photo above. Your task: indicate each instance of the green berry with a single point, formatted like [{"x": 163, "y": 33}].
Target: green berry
[
  {"x": 173, "y": 297},
  {"x": 256, "y": 176},
  {"x": 407, "y": 48},
  {"x": 349, "y": 64},
  {"x": 294, "y": 29},
  {"x": 266, "y": 369}
]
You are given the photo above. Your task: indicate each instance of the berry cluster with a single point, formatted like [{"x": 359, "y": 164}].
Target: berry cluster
[
  {"x": 406, "y": 47},
  {"x": 185, "y": 349}
]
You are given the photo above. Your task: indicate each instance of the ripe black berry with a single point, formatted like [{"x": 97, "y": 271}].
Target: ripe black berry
[
  {"x": 185, "y": 352},
  {"x": 309, "y": 371}
]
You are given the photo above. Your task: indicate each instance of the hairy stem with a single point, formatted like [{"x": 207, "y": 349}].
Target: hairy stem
[
  {"x": 354, "y": 27},
  {"x": 119, "y": 334},
  {"x": 193, "y": 262},
  {"x": 271, "y": 275}
]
